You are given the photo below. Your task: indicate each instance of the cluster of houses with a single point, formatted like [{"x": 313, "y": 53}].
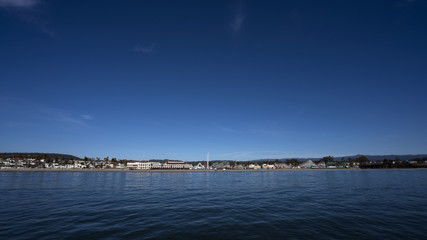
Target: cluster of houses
[
  {"x": 42, "y": 163},
  {"x": 153, "y": 165},
  {"x": 88, "y": 164},
  {"x": 257, "y": 166}
]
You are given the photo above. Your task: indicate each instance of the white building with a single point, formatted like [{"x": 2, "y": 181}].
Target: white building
[
  {"x": 283, "y": 166},
  {"x": 254, "y": 166},
  {"x": 156, "y": 165},
  {"x": 176, "y": 165},
  {"x": 143, "y": 165},
  {"x": 199, "y": 166},
  {"x": 308, "y": 164},
  {"x": 268, "y": 166},
  {"x": 139, "y": 165}
]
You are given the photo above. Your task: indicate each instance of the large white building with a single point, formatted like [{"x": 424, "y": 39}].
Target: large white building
[
  {"x": 143, "y": 165},
  {"x": 139, "y": 165},
  {"x": 155, "y": 165},
  {"x": 174, "y": 165},
  {"x": 177, "y": 165}
]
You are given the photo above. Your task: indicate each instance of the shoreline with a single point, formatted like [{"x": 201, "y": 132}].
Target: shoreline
[{"x": 199, "y": 171}]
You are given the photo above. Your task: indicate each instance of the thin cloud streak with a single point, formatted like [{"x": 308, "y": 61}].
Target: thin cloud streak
[
  {"x": 227, "y": 130},
  {"x": 28, "y": 11},
  {"x": 87, "y": 117},
  {"x": 238, "y": 19},
  {"x": 405, "y": 3},
  {"x": 39, "y": 23},
  {"x": 65, "y": 118},
  {"x": 18, "y": 3},
  {"x": 269, "y": 133},
  {"x": 144, "y": 50},
  {"x": 15, "y": 107}
]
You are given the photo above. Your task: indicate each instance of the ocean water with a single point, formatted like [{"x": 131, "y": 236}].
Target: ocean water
[{"x": 348, "y": 204}]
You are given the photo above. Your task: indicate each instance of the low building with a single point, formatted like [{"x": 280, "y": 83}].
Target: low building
[
  {"x": 176, "y": 165},
  {"x": 321, "y": 164},
  {"x": 283, "y": 166},
  {"x": 254, "y": 166},
  {"x": 308, "y": 164},
  {"x": 268, "y": 166},
  {"x": 142, "y": 165},
  {"x": 199, "y": 166},
  {"x": 155, "y": 165},
  {"x": 239, "y": 167}
]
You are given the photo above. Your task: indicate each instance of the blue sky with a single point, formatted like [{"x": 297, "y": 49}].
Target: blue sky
[{"x": 241, "y": 79}]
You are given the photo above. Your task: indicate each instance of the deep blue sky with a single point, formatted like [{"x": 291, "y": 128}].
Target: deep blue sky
[{"x": 240, "y": 79}]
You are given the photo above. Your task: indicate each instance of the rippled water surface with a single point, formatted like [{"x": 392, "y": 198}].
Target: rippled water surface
[{"x": 356, "y": 204}]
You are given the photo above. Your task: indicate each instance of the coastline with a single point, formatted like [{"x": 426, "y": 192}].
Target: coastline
[{"x": 192, "y": 171}]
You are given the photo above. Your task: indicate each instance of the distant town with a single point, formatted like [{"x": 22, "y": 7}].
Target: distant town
[{"x": 64, "y": 162}]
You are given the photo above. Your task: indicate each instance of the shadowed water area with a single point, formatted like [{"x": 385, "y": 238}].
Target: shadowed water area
[{"x": 356, "y": 204}]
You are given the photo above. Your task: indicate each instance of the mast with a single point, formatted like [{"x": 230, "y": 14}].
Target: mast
[{"x": 207, "y": 161}]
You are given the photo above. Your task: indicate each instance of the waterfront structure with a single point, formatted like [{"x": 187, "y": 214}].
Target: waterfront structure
[
  {"x": 142, "y": 165},
  {"x": 176, "y": 165},
  {"x": 133, "y": 165},
  {"x": 283, "y": 166},
  {"x": 199, "y": 166},
  {"x": 308, "y": 164},
  {"x": 221, "y": 165},
  {"x": 145, "y": 165},
  {"x": 155, "y": 165},
  {"x": 254, "y": 166},
  {"x": 321, "y": 164},
  {"x": 239, "y": 167},
  {"x": 268, "y": 166}
]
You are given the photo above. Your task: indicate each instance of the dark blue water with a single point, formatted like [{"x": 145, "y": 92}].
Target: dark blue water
[{"x": 361, "y": 204}]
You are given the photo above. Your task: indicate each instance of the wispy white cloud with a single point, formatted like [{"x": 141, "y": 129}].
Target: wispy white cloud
[
  {"x": 268, "y": 133},
  {"x": 227, "y": 129},
  {"x": 405, "y": 3},
  {"x": 19, "y": 111},
  {"x": 18, "y": 3},
  {"x": 238, "y": 19},
  {"x": 144, "y": 50},
  {"x": 29, "y": 11},
  {"x": 86, "y": 117},
  {"x": 65, "y": 118},
  {"x": 39, "y": 23}
]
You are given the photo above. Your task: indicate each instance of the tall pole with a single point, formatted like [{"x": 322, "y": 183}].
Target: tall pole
[{"x": 207, "y": 161}]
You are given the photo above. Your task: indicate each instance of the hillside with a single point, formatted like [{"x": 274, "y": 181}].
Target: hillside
[
  {"x": 38, "y": 155},
  {"x": 370, "y": 157}
]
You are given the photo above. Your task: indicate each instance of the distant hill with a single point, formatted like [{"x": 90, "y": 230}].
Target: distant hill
[
  {"x": 391, "y": 157},
  {"x": 210, "y": 161},
  {"x": 69, "y": 157},
  {"x": 370, "y": 157},
  {"x": 38, "y": 155}
]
